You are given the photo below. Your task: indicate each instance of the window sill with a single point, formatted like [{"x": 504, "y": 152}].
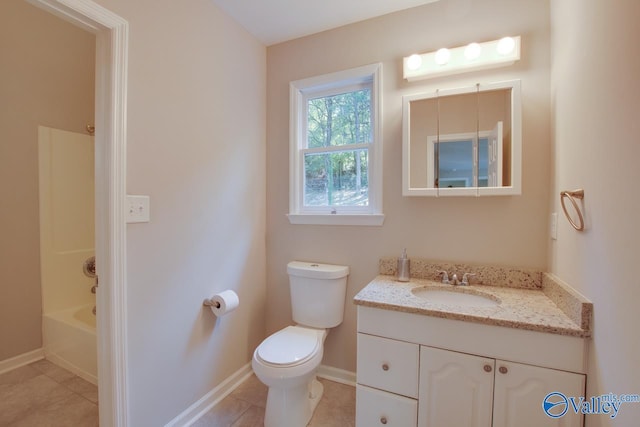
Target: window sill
[{"x": 343, "y": 219}]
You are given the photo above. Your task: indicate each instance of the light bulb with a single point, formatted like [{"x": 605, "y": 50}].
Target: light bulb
[
  {"x": 472, "y": 51},
  {"x": 442, "y": 56},
  {"x": 414, "y": 62},
  {"x": 506, "y": 45}
]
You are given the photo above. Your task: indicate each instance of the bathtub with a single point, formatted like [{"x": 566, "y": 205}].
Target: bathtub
[{"x": 69, "y": 340}]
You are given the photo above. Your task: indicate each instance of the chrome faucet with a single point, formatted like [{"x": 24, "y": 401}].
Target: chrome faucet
[
  {"x": 454, "y": 279},
  {"x": 465, "y": 279},
  {"x": 445, "y": 277}
]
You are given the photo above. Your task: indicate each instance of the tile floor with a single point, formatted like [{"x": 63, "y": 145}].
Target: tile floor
[
  {"x": 244, "y": 407},
  {"x": 42, "y": 394}
]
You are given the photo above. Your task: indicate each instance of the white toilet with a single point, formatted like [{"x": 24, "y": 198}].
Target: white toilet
[{"x": 287, "y": 361}]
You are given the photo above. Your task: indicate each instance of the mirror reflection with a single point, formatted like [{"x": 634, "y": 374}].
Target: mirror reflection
[{"x": 462, "y": 141}]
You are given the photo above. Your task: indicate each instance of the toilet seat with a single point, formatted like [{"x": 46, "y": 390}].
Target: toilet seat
[{"x": 291, "y": 346}]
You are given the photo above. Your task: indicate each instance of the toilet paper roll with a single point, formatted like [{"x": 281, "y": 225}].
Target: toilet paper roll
[{"x": 224, "y": 302}]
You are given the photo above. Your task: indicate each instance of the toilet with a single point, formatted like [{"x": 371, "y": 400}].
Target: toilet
[{"x": 287, "y": 360}]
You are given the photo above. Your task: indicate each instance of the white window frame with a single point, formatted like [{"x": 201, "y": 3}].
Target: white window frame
[{"x": 326, "y": 85}]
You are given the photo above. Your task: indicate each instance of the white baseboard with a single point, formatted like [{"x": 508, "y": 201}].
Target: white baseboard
[
  {"x": 209, "y": 400},
  {"x": 57, "y": 360},
  {"x": 338, "y": 375},
  {"x": 21, "y": 360}
]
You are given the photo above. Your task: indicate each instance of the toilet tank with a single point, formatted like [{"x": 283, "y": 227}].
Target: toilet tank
[{"x": 318, "y": 292}]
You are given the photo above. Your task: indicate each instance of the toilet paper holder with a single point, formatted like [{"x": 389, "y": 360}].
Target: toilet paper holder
[
  {"x": 222, "y": 303},
  {"x": 211, "y": 303}
]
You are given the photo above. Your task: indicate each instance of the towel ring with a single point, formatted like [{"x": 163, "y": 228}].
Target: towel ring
[{"x": 572, "y": 196}]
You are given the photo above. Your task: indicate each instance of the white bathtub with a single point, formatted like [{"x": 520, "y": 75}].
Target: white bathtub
[{"x": 70, "y": 341}]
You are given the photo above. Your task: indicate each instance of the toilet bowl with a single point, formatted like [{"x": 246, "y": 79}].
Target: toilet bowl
[{"x": 288, "y": 360}]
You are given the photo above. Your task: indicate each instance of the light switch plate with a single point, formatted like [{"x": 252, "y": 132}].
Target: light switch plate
[{"x": 137, "y": 209}]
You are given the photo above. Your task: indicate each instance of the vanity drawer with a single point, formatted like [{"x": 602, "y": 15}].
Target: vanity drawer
[
  {"x": 388, "y": 364},
  {"x": 379, "y": 408}
]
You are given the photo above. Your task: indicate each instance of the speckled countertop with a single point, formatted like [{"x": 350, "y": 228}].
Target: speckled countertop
[{"x": 551, "y": 308}]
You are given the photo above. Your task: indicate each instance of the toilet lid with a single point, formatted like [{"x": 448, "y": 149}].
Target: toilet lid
[{"x": 292, "y": 345}]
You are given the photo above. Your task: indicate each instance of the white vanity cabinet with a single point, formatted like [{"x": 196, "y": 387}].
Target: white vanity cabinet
[
  {"x": 520, "y": 389},
  {"x": 417, "y": 370},
  {"x": 458, "y": 389},
  {"x": 387, "y": 375}
]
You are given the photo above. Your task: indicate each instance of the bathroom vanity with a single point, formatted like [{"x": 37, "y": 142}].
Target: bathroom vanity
[{"x": 487, "y": 360}]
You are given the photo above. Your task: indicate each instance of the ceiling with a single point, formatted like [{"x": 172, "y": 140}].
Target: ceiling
[{"x": 275, "y": 21}]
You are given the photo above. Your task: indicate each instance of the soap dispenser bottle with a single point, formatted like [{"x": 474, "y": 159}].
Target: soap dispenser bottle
[{"x": 403, "y": 267}]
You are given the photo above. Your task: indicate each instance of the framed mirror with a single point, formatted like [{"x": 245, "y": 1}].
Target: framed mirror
[{"x": 463, "y": 142}]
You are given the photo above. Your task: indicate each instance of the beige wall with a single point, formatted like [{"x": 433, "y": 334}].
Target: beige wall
[
  {"x": 196, "y": 146},
  {"x": 596, "y": 115},
  {"x": 46, "y": 78},
  {"x": 503, "y": 230}
]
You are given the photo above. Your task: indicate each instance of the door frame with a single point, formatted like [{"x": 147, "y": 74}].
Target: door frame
[{"x": 112, "y": 45}]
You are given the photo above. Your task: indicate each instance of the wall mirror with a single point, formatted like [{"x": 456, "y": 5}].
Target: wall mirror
[{"x": 463, "y": 142}]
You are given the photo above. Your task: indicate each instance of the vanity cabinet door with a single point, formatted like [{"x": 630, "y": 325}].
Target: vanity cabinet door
[
  {"x": 378, "y": 408},
  {"x": 388, "y": 365},
  {"x": 456, "y": 389},
  {"x": 521, "y": 389}
]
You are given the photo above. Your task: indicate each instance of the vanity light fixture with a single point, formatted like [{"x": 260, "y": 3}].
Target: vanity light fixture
[
  {"x": 472, "y": 51},
  {"x": 442, "y": 56},
  {"x": 473, "y": 57},
  {"x": 506, "y": 45},
  {"x": 414, "y": 62}
]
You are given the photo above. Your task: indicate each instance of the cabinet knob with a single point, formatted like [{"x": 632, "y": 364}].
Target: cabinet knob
[
  {"x": 385, "y": 367},
  {"x": 503, "y": 369},
  {"x": 383, "y": 420},
  {"x": 487, "y": 368}
]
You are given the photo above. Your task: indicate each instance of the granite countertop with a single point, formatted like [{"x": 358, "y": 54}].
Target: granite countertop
[{"x": 551, "y": 309}]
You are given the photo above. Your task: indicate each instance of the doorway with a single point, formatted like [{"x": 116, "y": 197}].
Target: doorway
[
  {"x": 47, "y": 77},
  {"x": 111, "y": 33},
  {"x": 111, "y": 53}
]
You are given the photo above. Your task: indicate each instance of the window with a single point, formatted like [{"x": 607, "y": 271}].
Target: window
[{"x": 335, "y": 149}]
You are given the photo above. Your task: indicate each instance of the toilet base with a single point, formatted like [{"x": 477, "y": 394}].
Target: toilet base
[
  {"x": 315, "y": 394},
  {"x": 292, "y": 407}
]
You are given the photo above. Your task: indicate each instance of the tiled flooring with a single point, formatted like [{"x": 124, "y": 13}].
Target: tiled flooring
[
  {"x": 244, "y": 407},
  {"x": 42, "y": 394}
]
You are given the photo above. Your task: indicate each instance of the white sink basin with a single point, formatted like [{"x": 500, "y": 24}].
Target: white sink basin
[{"x": 454, "y": 296}]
